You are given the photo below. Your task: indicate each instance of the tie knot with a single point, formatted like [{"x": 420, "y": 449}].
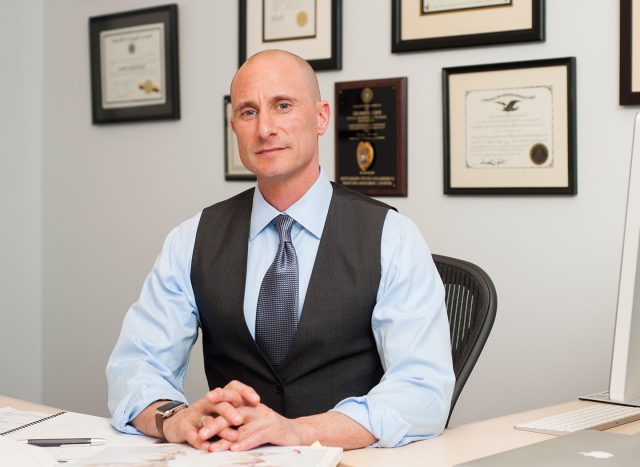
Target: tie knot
[{"x": 283, "y": 224}]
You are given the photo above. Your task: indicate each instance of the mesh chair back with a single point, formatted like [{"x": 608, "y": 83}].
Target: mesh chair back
[{"x": 471, "y": 302}]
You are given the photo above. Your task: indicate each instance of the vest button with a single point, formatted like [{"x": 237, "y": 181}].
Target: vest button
[{"x": 277, "y": 388}]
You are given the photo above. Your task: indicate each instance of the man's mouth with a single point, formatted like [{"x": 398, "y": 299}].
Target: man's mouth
[{"x": 270, "y": 150}]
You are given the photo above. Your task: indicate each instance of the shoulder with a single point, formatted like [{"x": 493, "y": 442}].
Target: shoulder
[
  {"x": 400, "y": 232},
  {"x": 353, "y": 196},
  {"x": 183, "y": 235},
  {"x": 230, "y": 203}
]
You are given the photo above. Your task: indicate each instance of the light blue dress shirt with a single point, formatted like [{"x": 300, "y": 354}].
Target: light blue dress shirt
[{"x": 409, "y": 323}]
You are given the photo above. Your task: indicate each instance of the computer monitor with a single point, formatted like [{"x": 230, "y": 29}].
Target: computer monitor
[{"x": 624, "y": 384}]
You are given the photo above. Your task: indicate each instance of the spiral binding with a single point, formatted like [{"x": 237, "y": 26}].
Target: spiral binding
[{"x": 32, "y": 423}]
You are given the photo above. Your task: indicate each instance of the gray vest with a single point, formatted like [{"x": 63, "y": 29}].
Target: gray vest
[{"x": 334, "y": 353}]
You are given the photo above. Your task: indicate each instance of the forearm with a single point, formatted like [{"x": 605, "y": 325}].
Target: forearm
[
  {"x": 333, "y": 429},
  {"x": 145, "y": 422},
  {"x": 149, "y": 361}
]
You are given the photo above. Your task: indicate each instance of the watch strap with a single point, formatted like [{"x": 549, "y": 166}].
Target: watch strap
[{"x": 162, "y": 415}]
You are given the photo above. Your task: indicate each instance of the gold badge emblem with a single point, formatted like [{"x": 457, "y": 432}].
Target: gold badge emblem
[
  {"x": 366, "y": 95},
  {"x": 364, "y": 155}
]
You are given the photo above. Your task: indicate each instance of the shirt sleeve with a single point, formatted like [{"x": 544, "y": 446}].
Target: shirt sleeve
[
  {"x": 411, "y": 330},
  {"x": 151, "y": 356}
]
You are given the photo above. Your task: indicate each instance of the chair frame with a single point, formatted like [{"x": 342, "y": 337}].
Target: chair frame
[{"x": 465, "y": 355}]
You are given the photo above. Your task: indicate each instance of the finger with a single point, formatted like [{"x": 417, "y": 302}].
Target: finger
[
  {"x": 253, "y": 432},
  {"x": 183, "y": 426},
  {"x": 229, "y": 395},
  {"x": 247, "y": 392},
  {"x": 214, "y": 396},
  {"x": 228, "y": 411},
  {"x": 231, "y": 414},
  {"x": 236, "y": 395},
  {"x": 213, "y": 426},
  {"x": 229, "y": 434},
  {"x": 251, "y": 440},
  {"x": 220, "y": 445},
  {"x": 191, "y": 436}
]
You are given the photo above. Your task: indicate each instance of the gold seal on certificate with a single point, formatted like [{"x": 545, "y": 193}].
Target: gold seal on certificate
[
  {"x": 539, "y": 154},
  {"x": 148, "y": 87},
  {"x": 364, "y": 155},
  {"x": 302, "y": 18}
]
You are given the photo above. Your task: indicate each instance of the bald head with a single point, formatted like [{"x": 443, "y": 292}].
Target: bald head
[{"x": 274, "y": 61}]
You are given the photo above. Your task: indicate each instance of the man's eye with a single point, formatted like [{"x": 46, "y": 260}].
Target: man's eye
[
  {"x": 247, "y": 113},
  {"x": 284, "y": 105}
]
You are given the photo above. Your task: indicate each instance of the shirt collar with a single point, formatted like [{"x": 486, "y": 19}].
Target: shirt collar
[{"x": 310, "y": 211}]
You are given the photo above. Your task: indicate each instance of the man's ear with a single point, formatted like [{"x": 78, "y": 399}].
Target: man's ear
[{"x": 324, "y": 115}]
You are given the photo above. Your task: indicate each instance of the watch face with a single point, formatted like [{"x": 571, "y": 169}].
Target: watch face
[{"x": 168, "y": 406}]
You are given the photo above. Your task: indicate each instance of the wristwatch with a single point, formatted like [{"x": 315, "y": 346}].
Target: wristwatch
[{"x": 167, "y": 410}]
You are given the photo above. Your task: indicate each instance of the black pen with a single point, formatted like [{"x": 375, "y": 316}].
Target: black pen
[{"x": 57, "y": 442}]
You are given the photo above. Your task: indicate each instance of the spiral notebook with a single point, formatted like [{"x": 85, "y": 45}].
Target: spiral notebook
[
  {"x": 12, "y": 420},
  {"x": 19, "y": 425}
]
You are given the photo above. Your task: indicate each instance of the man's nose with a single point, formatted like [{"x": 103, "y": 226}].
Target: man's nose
[{"x": 266, "y": 125}]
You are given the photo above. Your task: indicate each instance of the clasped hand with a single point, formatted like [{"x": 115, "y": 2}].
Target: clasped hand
[{"x": 235, "y": 415}]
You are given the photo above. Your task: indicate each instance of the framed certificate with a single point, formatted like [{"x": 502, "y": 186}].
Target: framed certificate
[
  {"x": 308, "y": 28},
  {"x": 134, "y": 65},
  {"x": 440, "y": 24},
  {"x": 510, "y": 128},
  {"x": 234, "y": 169},
  {"x": 629, "y": 55},
  {"x": 371, "y": 136}
]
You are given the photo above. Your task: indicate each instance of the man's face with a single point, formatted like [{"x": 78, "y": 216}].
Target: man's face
[{"x": 277, "y": 118}]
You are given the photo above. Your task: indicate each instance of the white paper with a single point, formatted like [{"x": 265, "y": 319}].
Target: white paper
[
  {"x": 132, "y": 65},
  {"x": 437, "y": 6},
  {"x": 509, "y": 128},
  {"x": 234, "y": 162},
  {"x": 289, "y": 19},
  {"x": 23, "y": 455},
  {"x": 317, "y": 47},
  {"x": 76, "y": 425},
  {"x": 178, "y": 455}
]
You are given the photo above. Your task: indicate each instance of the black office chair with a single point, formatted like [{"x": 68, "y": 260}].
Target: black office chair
[{"x": 471, "y": 302}]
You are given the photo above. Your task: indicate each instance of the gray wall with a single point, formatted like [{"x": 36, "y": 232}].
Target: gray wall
[
  {"x": 111, "y": 193},
  {"x": 21, "y": 199}
]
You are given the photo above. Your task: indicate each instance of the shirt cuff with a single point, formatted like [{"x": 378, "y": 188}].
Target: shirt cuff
[
  {"x": 385, "y": 423},
  {"x": 130, "y": 408}
]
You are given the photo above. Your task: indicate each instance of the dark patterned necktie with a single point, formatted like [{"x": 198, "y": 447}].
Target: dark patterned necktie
[{"x": 276, "y": 316}]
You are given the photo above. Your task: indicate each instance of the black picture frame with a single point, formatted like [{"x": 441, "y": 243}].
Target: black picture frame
[
  {"x": 489, "y": 149},
  {"x": 629, "y": 64},
  {"x": 329, "y": 38},
  {"x": 151, "y": 37},
  {"x": 234, "y": 170},
  {"x": 468, "y": 22}
]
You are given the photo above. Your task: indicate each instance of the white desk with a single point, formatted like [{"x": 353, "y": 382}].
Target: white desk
[
  {"x": 455, "y": 445},
  {"x": 467, "y": 442}
]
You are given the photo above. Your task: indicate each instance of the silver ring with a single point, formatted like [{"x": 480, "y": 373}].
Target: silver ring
[{"x": 201, "y": 421}]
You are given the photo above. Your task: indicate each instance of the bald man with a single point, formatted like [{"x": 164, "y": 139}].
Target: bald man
[{"x": 331, "y": 328}]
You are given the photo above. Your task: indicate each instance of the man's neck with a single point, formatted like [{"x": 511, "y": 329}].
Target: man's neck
[{"x": 283, "y": 194}]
